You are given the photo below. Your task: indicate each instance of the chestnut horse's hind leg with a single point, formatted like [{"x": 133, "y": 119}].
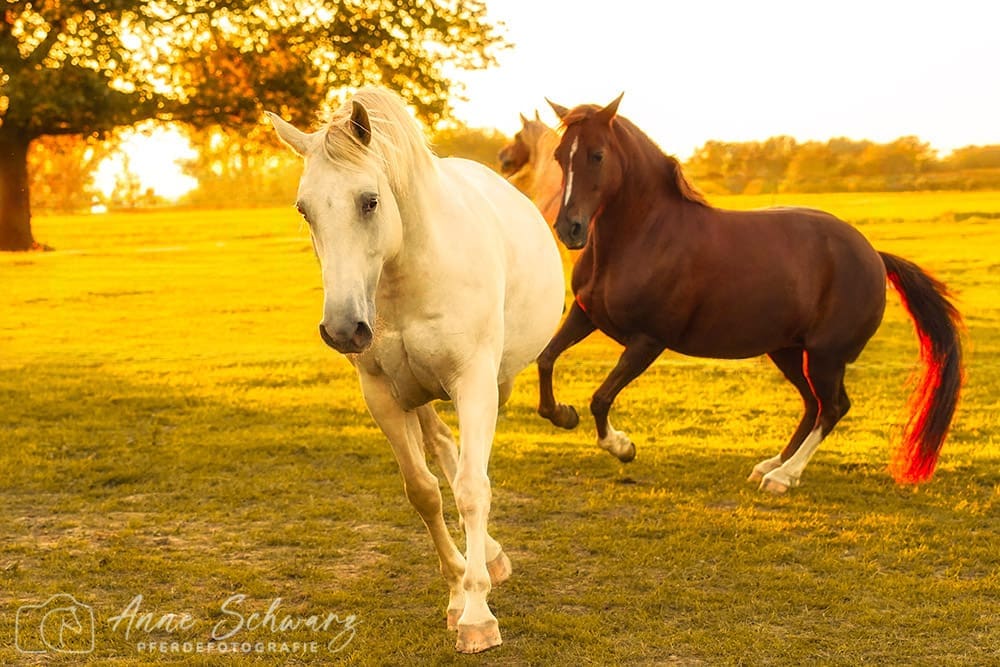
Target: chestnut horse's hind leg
[
  {"x": 790, "y": 362},
  {"x": 636, "y": 358},
  {"x": 825, "y": 374},
  {"x": 574, "y": 328}
]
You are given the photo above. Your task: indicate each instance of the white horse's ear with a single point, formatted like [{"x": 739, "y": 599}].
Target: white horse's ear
[
  {"x": 560, "y": 110},
  {"x": 295, "y": 138},
  {"x": 360, "y": 123}
]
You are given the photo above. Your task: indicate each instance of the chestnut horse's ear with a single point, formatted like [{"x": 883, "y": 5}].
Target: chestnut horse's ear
[
  {"x": 608, "y": 113},
  {"x": 560, "y": 110},
  {"x": 537, "y": 117},
  {"x": 524, "y": 119},
  {"x": 360, "y": 123}
]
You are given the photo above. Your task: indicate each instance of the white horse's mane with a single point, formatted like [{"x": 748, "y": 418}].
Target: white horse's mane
[{"x": 397, "y": 141}]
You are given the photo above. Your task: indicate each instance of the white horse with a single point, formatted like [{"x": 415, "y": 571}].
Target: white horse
[{"x": 441, "y": 281}]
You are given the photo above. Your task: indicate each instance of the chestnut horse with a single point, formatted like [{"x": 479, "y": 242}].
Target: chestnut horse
[{"x": 662, "y": 269}]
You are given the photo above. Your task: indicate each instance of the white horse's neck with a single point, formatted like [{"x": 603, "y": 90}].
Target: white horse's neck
[{"x": 424, "y": 243}]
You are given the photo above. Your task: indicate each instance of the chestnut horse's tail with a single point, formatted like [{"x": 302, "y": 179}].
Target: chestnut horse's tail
[{"x": 935, "y": 395}]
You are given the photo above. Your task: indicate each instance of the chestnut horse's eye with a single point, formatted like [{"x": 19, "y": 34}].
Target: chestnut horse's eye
[
  {"x": 369, "y": 202},
  {"x": 597, "y": 157}
]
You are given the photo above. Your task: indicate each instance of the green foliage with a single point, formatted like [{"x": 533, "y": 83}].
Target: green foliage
[
  {"x": 781, "y": 164},
  {"x": 187, "y": 437},
  {"x": 245, "y": 167},
  {"x": 80, "y": 67},
  {"x": 62, "y": 171},
  {"x": 974, "y": 157}
]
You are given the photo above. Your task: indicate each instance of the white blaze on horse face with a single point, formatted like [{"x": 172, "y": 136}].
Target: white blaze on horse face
[{"x": 569, "y": 169}]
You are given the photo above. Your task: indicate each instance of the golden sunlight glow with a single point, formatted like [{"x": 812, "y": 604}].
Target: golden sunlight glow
[{"x": 151, "y": 153}]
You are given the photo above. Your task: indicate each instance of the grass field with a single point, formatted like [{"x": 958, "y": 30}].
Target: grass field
[{"x": 171, "y": 427}]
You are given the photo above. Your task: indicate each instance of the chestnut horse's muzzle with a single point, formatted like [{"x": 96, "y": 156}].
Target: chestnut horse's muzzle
[{"x": 572, "y": 232}]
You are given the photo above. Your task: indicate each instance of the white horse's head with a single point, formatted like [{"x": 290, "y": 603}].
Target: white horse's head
[{"x": 347, "y": 196}]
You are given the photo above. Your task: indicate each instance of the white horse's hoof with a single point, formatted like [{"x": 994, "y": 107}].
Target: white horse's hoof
[
  {"x": 618, "y": 444},
  {"x": 453, "y": 615},
  {"x": 500, "y": 569},
  {"x": 479, "y": 637},
  {"x": 755, "y": 476}
]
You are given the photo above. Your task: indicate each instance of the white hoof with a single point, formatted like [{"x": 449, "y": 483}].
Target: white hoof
[
  {"x": 500, "y": 569},
  {"x": 479, "y": 637},
  {"x": 777, "y": 483},
  {"x": 453, "y": 615},
  {"x": 763, "y": 468},
  {"x": 774, "y": 487},
  {"x": 618, "y": 444}
]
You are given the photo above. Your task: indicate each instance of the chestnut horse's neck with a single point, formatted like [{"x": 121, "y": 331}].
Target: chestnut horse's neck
[{"x": 650, "y": 176}]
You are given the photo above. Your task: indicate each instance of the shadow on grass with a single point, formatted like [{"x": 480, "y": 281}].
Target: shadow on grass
[{"x": 115, "y": 488}]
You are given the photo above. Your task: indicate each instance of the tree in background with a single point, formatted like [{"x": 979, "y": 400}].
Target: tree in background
[
  {"x": 249, "y": 167},
  {"x": 239, "y": 168},
  {"x": 780, "y": 164},
  {"x": 84, "y": 67},
  {"x": 458, "y": 140},
  {"x": 62, "y": 172}
]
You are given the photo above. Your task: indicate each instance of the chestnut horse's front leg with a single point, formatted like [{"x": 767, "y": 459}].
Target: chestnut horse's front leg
[
  {"x": 575, "y": 328},
  {"x": 639, "y": 353}
]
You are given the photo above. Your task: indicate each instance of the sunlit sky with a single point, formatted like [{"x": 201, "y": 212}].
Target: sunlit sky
[
  {"x": 735, "y": 71},
  {"x": 740, "y": 71}
]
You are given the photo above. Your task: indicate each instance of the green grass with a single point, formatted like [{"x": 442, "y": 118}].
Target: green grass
[{"x": 172, "y": 427}]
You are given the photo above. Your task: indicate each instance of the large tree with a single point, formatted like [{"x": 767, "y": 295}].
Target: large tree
[{"x": 87, "y": 66}]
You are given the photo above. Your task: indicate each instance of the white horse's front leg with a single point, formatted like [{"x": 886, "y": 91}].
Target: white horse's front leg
[
  {"x": 421, "y": 486},
  {"x": 475, "y": 398},
  {"x": 439, "y": 442}
]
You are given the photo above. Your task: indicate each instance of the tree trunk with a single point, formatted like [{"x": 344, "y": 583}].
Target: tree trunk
[{"x": 15, "y": 207}]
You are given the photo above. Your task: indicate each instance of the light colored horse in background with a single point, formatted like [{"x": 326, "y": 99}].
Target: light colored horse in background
[
  {"x": 440, "y": 281},
  {"x": 528, "y": 162}
]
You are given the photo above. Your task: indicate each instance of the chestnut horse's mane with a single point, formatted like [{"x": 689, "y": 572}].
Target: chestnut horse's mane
[{"x": 676, "y": 181}]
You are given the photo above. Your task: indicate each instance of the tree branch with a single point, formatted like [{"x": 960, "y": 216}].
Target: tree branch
[{"x": 45, "y": 47}]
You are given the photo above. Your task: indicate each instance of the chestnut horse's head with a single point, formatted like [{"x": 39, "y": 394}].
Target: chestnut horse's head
[{"x": 591, "y": 165}]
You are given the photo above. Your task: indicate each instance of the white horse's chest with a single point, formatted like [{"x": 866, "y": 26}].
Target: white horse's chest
[{"x": 411, "y": 374}]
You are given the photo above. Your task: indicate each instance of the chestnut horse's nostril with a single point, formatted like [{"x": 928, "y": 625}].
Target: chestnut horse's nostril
[{"x": 575, "y": 229}]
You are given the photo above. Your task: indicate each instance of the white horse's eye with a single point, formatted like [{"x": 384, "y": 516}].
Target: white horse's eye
[{"x": 369, "y": 202}]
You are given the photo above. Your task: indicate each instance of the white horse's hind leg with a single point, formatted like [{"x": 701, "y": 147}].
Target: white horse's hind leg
[
  {"x": 439, "y": 442},
  {"x": 421, "y": 486},
  {"x": 475, "y": 397}
]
